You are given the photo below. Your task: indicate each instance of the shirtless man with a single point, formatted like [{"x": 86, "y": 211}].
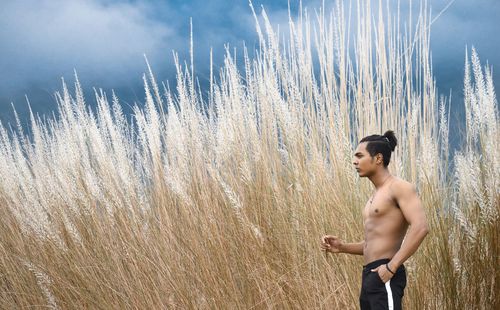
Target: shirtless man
[{"x": 393, "y": 207}]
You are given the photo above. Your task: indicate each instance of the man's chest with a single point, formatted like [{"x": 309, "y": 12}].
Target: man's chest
[{"x": 378, "y": 206}]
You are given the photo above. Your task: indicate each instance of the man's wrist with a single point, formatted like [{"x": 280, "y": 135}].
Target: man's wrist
[
  {"x": 341, "y": 248},
  {"x": 392, "y": 266},
  {"x": 389, "y": 268}
]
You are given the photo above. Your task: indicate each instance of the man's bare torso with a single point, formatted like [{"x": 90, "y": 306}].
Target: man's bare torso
[{"x": 384, "y": 224}]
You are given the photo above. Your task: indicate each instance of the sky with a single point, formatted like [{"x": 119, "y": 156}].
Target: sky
[{"x": 43, "y": 41}]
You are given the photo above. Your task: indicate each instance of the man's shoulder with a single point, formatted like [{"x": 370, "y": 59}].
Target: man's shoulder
[{"x": 400, "y": 187}]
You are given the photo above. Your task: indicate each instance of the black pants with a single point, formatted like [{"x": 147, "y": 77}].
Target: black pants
[{"x": 375, "y": 294}]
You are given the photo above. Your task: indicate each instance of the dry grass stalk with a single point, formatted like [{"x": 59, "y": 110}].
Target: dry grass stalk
[{"x": 219, "y": 202}]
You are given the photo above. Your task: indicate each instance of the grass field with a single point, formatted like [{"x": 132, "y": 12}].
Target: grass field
[{"x": 218, "y": 198}]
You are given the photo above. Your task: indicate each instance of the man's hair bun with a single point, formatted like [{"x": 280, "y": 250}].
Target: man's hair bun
[{"x": 389, "y": 134}]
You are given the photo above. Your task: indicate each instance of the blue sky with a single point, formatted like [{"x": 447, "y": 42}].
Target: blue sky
[{"x": 104, "y": 40}]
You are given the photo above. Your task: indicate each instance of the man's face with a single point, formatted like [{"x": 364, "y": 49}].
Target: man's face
[{"x": 365, "y": 164}]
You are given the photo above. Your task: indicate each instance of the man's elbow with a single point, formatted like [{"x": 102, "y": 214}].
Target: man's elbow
[
  {"x": 421, "y": 228},
  {"x": 424, "y": 229}
]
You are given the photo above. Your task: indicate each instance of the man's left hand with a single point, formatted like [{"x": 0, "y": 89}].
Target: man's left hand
[{"x": 384, "y": 274}]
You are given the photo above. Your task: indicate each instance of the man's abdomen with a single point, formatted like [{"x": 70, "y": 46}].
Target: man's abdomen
[{"x": 378, "y": 246}]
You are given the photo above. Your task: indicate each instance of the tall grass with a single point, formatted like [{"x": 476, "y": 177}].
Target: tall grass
[{"x": 217, "y": 198}]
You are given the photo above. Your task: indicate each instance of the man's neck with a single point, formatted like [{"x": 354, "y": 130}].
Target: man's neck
[{"x": 380, "y": 177}]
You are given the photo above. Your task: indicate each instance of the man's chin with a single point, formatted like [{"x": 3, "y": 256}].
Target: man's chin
[{"x": 362, "y": 174}]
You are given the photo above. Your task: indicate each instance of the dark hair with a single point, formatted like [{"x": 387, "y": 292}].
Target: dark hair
[{"x": 384, "y": 144}]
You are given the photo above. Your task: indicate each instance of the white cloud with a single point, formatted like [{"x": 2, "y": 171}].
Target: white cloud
[{"x": 46, "y": 38}]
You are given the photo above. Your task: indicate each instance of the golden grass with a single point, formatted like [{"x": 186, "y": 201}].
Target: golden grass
[{"x": 219, "y": 200}]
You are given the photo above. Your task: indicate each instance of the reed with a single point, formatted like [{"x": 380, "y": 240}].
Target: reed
[{"x": 218, "y": 198}]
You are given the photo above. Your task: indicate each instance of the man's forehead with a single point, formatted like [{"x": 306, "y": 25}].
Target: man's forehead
[{"x": 361, "y": 147}]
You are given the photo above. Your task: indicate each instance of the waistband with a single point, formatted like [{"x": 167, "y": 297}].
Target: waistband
[{"x": 376, "y": 263}]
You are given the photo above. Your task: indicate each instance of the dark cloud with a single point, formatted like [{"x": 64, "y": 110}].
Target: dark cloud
[
  {"x": 463, "y": 25},
  {"x": 104, "y": 40}
]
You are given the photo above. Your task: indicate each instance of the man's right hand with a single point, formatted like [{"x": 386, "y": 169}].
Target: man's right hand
[{"x": 331, "y": 244}]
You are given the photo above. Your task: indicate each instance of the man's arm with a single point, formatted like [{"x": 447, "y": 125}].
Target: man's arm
[
  {"x": 334, "y": 244},
  {"x": 353, "y": 248},
  {"x": 411, "y": 206}
]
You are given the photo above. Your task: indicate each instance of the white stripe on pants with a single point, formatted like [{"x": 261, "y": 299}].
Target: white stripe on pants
[{"x": 389, "y": 294}]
